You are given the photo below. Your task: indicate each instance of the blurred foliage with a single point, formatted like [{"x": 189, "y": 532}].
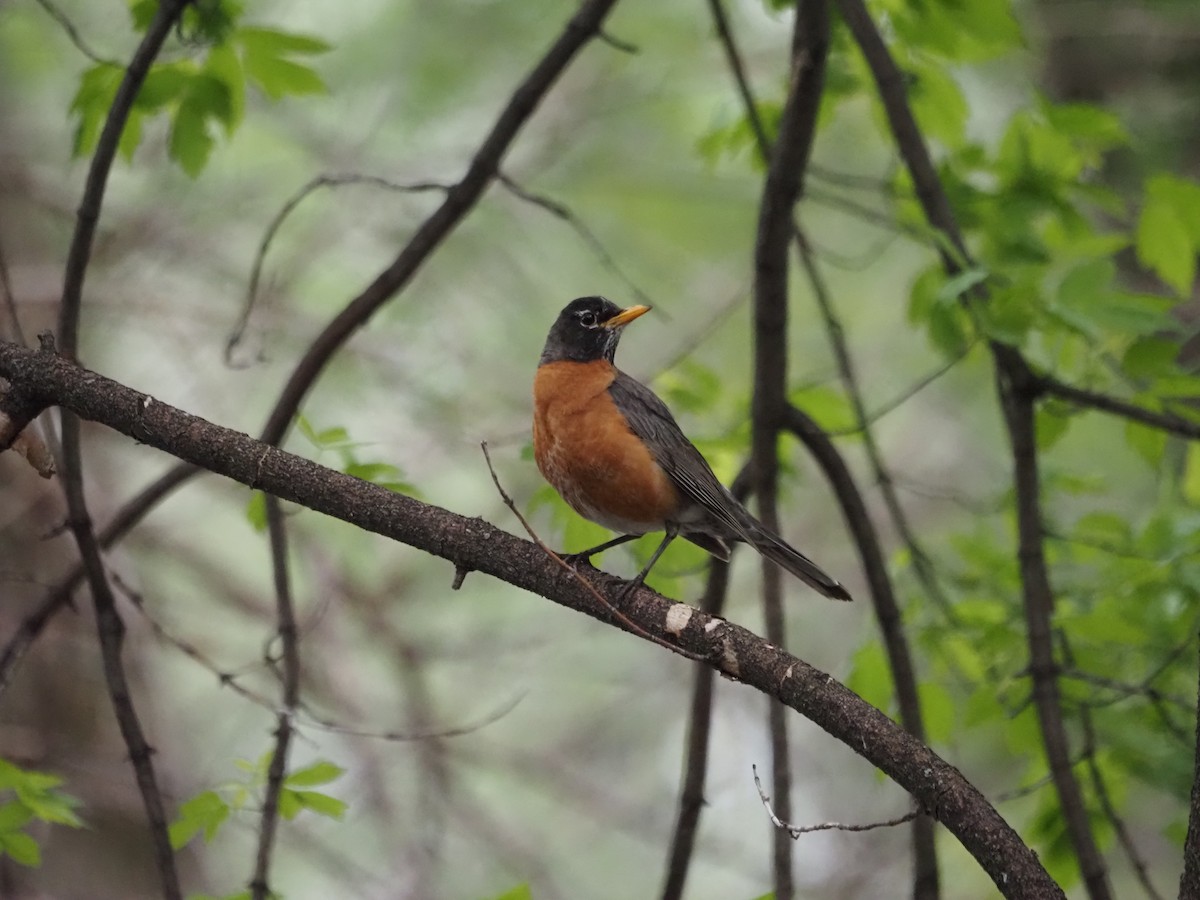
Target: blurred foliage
[
  {"x": 1090, "y": 276},
  {"x": 26, "y": 797}
]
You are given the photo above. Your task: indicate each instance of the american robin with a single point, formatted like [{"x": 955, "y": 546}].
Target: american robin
[{"x": 612, "y": 449}]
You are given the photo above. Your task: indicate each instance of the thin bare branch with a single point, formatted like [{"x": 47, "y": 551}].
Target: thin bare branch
[
  {"x": 853, "y": 508},
  {"x": 1100, "y": 789},
  {"x": 903, "y": 397},
  {"x": 1016, "y": 388},
  {"x": 695, "y": 771},
  {"x": 1189, "y": 879},
  {"x": 289, "y": 641},
  {"x": 60, "y": 596},
  {"x": 1038, "y": 601},
  {"x": 321, "y": 181},
  {"x": 782, "y": 189},
  {"x": 563, "y": 212},
  {"x": 73, "y": 33},
  {"x": 1164, "y": 421},
  {"x": 795, "y": 831}
]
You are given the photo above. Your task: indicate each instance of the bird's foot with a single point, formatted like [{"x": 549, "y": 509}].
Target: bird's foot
[{"x": 573, "y": 559}]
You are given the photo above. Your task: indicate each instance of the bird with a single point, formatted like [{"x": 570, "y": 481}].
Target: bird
[{"x": 616, "y": 455}]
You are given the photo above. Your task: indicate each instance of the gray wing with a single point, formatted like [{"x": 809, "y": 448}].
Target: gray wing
[{"x": 651, "y": 421}]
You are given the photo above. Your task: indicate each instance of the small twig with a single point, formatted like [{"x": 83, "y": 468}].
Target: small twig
[
  {"x": 1100, "y": 788},
  {"x": 903, "y": 397},
  {"x": 1095, "y": 400},
  {"x": 922, "y": 563},
  {"x": 285, "y": 612},
  {"x": 587, "y": 585},
  {"x": 1033, "y": 787},
  {"x": 1189, "y": 879},
  {"x": 321, "y": 181},
  {"x": 73, "y": 33},
  {"x": 616, "y": 43},
  {"x": 60, "y": 596},
  {"x": 311, "y": 720},
  {"x": 794, "y": 831},
  {"x": 563, "y": 212},
  {"x": 1123, "y": 690},
  {"x": 10, "y": 299}
]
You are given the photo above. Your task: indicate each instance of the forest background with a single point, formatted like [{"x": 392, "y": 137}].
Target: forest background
[{"x": 328, "y": 717}]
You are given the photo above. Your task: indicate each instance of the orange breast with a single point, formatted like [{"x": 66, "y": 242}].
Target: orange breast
[{"x": 585, "y": 449}]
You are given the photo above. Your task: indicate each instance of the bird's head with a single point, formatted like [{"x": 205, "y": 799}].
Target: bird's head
[{"x": 588, "y": 329}]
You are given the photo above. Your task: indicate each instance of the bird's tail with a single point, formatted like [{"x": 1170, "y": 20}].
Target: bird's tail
[{"x": 780, "y": 551}]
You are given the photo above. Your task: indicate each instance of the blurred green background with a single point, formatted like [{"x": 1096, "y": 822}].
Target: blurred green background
[{"x": 571, "y": 782}]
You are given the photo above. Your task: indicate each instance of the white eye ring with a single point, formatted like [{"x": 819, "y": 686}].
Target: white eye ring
[{"x": 587, "y": 319}]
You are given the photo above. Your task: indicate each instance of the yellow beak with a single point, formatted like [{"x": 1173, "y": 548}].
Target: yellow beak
[{"x": 625, "y": 316}]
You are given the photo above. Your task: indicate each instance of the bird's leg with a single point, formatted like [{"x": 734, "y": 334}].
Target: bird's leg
[
  {"x": 631, "y": 586},
  {"x": 586, "y": 555}
]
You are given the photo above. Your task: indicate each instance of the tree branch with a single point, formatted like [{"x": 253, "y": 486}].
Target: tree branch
[
  {"x": 781, "y": 190},
  {"x": 925, "y": 877},
  {"x": 460, "y": 199},
  {"x": 286, "y": 618},
  {"x": 1038, "y": 599},
  {"x": 691, "y": 794},
  {"x": 477, "y": 545},
  {"x": 130, "y": 514},
  {"x": 425, "y": 241},
  {"x": 1016, "y": 387},
  {"x": 88, "y": 214},
  {"x": 1189, "y": 880},
  {"x": 1095, "y": 400}
]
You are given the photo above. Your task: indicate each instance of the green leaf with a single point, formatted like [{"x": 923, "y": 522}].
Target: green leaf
[
  {"x": 97, "y": 88},
  {"x": 520, "y": 892},
  {"x": 938, "y": 103},
  {"x": 318, "y": 773},
  {"x": 954, "y": 288},
  {"x": 267, "y": 41},
  {"x": 870, "y": 677},
  {"x": 279, "y": 77},
  {"x": 264, "y": 54},
  {"x": 383, "y": 474},
  {"x": 190, "y": 144},
  {"x": 1191, "y": 476},
  {"x": 827, "y": 405},
  {"x": 224, "y": 66},
  {"x": 937, "y": 711},
  {"x": 1168, "y": 231},
  {"x": 1051, "y": 425},
  {"x": 204, "y": 812},
  {"x": 1105, "y": 529},
  {"x": 1148, "y": 442},
  {"x": 256, "y": 511},
  {"x": 322, "y": 804},
  {"x": 1087, "y": 297},
  {"x": 14, "y": 815},
  {"x": 142, "y": 12},
  {"x": 21, "y": 848},
  {"x": 1150, "y": 356},
  {"x": 164, "y": 84}
]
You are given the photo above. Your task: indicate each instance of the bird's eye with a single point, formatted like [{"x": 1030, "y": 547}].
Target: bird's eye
[{"x": 587, "y": 319}]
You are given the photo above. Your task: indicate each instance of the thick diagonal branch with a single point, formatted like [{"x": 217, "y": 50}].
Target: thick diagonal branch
[{"x": 476, "y": 545}]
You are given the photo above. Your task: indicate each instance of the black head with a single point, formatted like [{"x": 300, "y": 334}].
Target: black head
[{"x": 588, "y": 329}]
